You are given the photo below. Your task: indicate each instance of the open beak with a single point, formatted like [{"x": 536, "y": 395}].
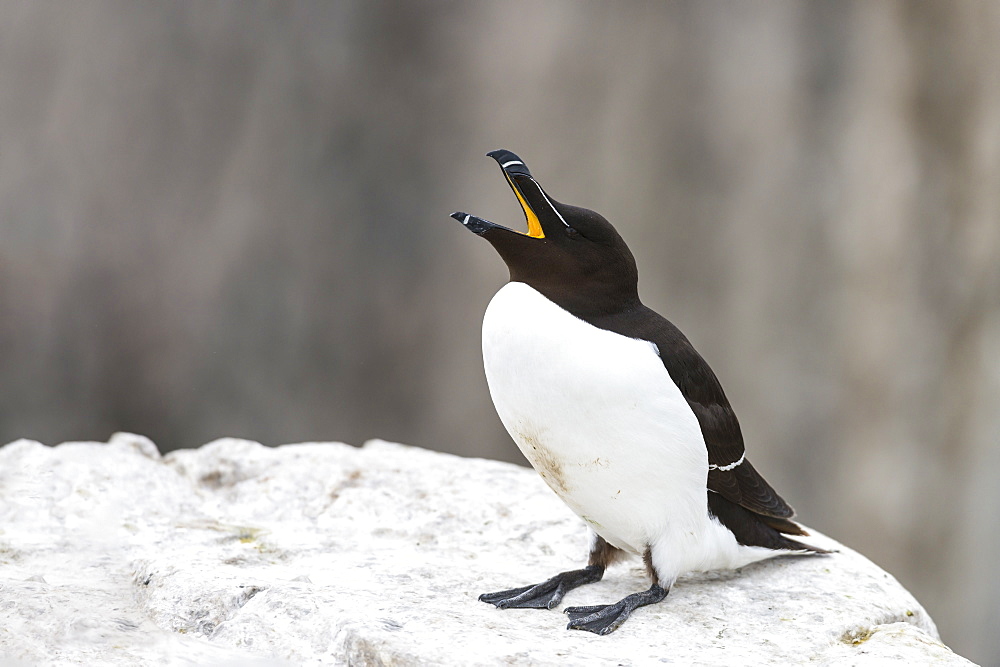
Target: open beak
[{"x": 516, "y": 173}]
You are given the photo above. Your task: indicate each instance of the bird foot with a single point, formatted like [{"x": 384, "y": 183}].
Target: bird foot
[
  {"x": 545, "y": 595},
  {"x": 603, "y": 619}
]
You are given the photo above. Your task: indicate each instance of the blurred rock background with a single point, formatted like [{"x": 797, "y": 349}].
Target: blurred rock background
[{"x": 231, "y": 219}]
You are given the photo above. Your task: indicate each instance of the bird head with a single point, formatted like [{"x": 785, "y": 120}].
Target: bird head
[{"x": 570, "y": 254}]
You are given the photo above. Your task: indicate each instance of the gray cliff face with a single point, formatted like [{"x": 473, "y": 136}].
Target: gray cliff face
[{"x": 235, "y": 553}]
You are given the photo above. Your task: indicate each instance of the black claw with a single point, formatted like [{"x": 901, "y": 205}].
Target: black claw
[
  {"x": 545, "y": 595},
  {"x": 604, "y": 619}
]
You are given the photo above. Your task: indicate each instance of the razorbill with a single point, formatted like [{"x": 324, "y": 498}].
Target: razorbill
[{"x": 617, "y": 412}]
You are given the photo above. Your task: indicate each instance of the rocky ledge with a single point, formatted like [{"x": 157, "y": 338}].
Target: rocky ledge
[{"x": 239, "y": 554}]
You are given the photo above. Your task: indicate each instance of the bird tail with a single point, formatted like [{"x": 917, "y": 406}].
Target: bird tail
[
  {"x": 788, "y": 527},
  {"x": 752, "y": 529}
]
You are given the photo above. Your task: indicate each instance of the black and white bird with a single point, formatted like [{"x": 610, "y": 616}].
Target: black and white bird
[{"x": 617, "y": 412}]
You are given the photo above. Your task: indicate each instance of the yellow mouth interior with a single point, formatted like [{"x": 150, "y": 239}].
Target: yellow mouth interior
[{"x": 534, "y": 226}]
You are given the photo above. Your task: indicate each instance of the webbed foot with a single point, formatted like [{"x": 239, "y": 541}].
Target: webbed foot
[
  {"x": 547, "y": 594},
  {"x": 603, "y": 619}
]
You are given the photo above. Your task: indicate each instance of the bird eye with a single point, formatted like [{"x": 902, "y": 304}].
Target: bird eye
[{"x": 572, "y": 233}]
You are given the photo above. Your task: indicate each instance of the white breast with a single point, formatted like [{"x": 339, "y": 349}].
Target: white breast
[{"x": 599, "y": 418}]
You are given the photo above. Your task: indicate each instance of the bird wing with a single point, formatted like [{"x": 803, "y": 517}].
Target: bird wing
[{"x": 730, "y": 474}]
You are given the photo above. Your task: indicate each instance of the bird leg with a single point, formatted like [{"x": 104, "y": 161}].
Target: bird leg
[
  {"x": 603, "y": 619},
  {"x": 549, "y": 593}
]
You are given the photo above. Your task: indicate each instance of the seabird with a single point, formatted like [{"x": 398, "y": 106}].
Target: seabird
[{"x": 617, "y": 412}]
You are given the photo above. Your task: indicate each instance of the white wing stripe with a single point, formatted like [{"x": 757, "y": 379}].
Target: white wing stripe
[{"x": 726, "y": 468}]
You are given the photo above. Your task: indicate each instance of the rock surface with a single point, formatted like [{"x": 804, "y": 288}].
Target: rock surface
[{"x": 238, "y": 554}]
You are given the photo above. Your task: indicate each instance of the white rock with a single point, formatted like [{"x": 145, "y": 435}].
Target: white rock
[{"x": 239, "y": 554}]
